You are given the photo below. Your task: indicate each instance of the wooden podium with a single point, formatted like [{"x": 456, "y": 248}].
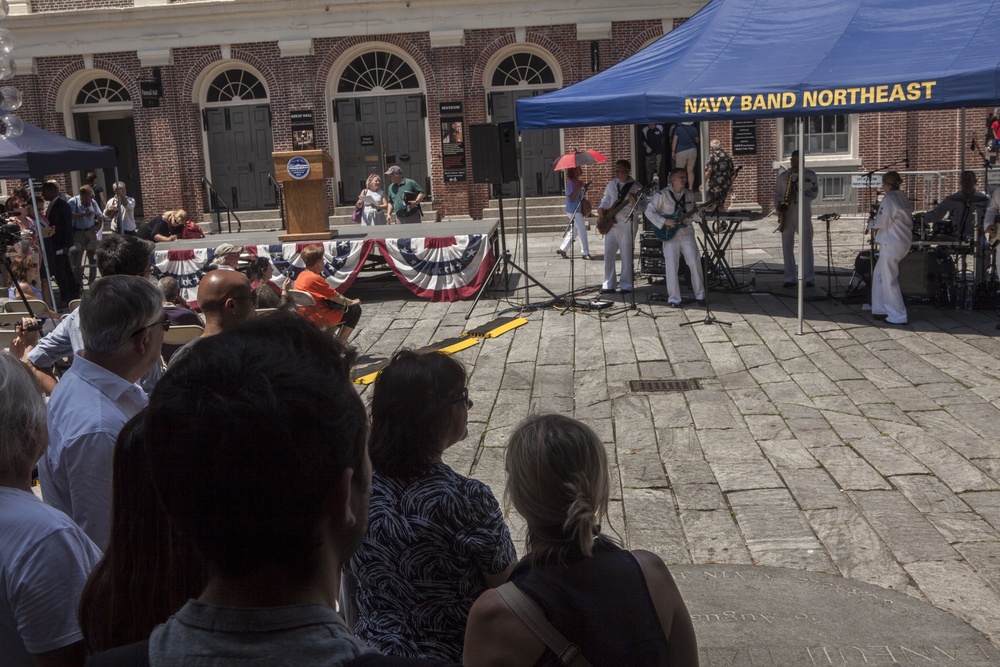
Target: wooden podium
[{"x": 303, "y": 176}]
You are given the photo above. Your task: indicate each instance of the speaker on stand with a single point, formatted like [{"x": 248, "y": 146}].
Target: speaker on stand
[{"x": 494, "y": 161}]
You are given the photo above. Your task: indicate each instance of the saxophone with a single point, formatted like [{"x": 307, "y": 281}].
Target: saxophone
[{"x": 785, "y": 204}]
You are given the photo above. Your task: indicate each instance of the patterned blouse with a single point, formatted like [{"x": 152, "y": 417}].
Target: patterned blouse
[{"x": 421, "y": 565}]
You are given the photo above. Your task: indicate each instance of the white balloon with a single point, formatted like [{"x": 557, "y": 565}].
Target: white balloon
[
  {"x": 6, "y": 41},
  {"x": 4, "y": 9},
  {"x": 7, "y": 68},
  {"x": 12, "y": 126},
  {"x": 10, "y": 98}
]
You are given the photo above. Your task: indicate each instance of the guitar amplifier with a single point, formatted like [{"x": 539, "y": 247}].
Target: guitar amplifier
[{"x": 652, "y": 266}]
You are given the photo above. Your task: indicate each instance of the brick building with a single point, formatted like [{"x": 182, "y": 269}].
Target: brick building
[{"x": 193, "y": 91}]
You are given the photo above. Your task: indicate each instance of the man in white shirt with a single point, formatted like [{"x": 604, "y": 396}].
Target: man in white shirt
[
  {"x": 619, "y": 202},
  {"x": 88, "y": 222},
  {"x": 44, "y": 557},
  {"x": 663, "y": 213},
  {"x": 121, "y": 211},
  {"x": 810, "y": 190},
  {"x": 122, "y": 322}
]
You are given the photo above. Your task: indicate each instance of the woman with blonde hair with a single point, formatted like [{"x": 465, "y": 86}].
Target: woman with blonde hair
[
  {"x": 618, "y": 607},
  {"x": 164, "y": 228},
  {"x": 372, "y": 202}
]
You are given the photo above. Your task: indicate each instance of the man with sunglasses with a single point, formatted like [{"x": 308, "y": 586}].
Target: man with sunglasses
[
  {"x": 122, "y": 322},
  {"x": 225, "y": 298}
]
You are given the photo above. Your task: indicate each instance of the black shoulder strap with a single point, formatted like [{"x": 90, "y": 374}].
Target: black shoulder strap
[{"x": 130, "y": 655}]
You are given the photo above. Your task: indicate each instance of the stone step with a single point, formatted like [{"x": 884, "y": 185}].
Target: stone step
[{"x": 555, "y": 200}]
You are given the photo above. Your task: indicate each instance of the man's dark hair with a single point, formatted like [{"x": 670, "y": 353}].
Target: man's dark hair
[
  {"x": 411, "y": 410},
  {"x": 624, "y": 163},
  {"x": 248, "y": 435},
  {"x": 123, "y": 255}
]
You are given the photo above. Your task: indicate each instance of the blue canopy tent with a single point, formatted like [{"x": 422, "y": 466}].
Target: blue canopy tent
[
  {"x": 772, "y": 58},
  {"x": 37, "y": 153},
  {"x": 769, "y": 58}
]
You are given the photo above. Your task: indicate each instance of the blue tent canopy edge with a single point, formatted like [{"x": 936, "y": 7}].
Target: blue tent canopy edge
[
  {"x": 37, "y": 153},
  {"x": 771, "y": 58}
]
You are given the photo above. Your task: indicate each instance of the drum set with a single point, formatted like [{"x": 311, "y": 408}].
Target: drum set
[{"x": 951, "y": 262}]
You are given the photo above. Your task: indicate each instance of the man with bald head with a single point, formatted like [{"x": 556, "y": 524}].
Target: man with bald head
[{"x": 225, "y": 298}]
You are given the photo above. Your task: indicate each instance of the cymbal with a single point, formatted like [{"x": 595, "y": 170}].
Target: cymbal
[{"x": 974, "y": 199}]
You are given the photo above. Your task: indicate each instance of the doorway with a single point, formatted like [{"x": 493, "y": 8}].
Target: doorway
[
  {"x": 240, "y": 144},
  {"x": 376, "y": 132}
]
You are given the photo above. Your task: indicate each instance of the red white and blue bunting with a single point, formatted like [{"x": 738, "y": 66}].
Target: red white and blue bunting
[{"x": 446, "y": 268}]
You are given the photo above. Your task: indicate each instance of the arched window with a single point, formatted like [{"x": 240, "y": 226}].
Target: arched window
[
  {"x": 376, "y": 71},
  {"x": 520, "y": 69},
  {"x": 102, "y": 90},
  {"x": 236, "y": 85}
]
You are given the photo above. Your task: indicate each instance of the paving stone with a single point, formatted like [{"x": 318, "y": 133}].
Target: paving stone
[
  {"x": 856, "y": 549},
  {"x": 848, "y": 469},
  {"x": 849, "y": 427},
  {"x": 928, "y": 494},
  {"x": 713, "y": 409},
  {"x": 990, "y": 466},
  {"x": 909, "y": 535},
  {"x": 696, "y": 471},
  {"x": 956, "y": 587},
  {"x": 679, "y": 444},
  {"x": 954, "y": 470},
  {"x": 909, "y": 399},
  {"x": 814, "y": 489},
  {"x": 714, "y": 538},
  {"x": 785, "y": 454},
  {"x": 887, "y": 457},
  {"x": 767, "y": 427},
  {"x": 986, "y": 504},
  {"x": 776, "y": 532},
  {"x": 729, "y": 445},
  {"x": 699, "y": 497},
  {"x": 742, "y": 475},
  {"x": 651, "y": 523},
  {"x": 984, "y": 557},
  {"x": 965, "y": 527},
  {"x": 839, "y": 403}
]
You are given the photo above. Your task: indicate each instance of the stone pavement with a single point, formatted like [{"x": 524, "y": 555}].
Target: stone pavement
[{"x": 858, "y": 449}]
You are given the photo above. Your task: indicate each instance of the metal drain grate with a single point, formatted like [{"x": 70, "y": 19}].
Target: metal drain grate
[{"x": 661, "y": 386}]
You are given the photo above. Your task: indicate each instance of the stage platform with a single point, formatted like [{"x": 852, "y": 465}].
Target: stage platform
[{"x": 437, "y": 261}]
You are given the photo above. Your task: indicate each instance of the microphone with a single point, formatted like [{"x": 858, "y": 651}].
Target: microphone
[
  {"x": 972, "y": 146},
  {"x": 587, "y": 185}
]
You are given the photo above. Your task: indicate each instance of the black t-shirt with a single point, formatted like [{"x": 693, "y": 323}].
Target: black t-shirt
[{"x": 157, "y": 225}]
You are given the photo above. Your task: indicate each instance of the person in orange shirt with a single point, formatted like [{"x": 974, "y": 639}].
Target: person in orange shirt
[{"x": 332, "y": 308}]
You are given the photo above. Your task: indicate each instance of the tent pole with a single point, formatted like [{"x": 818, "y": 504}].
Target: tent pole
[
  {"x": 961, "y": 140},
  {"x": 524, "y": 214},
  {"x": 801, "y": 204},
  {"x": 41, "y": 245}
]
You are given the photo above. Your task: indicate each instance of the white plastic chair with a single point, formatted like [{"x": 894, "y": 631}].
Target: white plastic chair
[{"x": 300, "y": 298}]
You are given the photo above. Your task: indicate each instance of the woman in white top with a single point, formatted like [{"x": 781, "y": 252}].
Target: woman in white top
[{"x": 371, "y": 202}]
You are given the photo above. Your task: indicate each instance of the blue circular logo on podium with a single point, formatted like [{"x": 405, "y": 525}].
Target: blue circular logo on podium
[{"x": 298, "y": 167}]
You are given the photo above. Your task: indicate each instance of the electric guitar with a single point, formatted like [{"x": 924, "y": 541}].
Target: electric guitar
[
  {"x": 606, "y": 218},
  {"x": 666, "y": 232}
]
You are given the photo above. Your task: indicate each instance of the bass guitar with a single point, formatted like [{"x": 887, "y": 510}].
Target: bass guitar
[
  {"x": 666, "y": 232},
  {"x": 606, "y": 218}
]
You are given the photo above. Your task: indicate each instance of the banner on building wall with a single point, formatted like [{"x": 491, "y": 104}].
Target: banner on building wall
[
  {"x": 744, "y": 137},
  {"x": 303, "y": 130},
  {"x": 453, "y": 142}
]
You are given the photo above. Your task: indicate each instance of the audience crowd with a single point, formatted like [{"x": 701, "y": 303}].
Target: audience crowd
[{"x": 242, "y": 505}]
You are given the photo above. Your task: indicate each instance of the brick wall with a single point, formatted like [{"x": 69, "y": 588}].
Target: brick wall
[{"x": 171, "y": 138}]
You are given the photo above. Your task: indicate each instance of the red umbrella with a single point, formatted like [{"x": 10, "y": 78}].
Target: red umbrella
[{"x": 578, "y": 159}]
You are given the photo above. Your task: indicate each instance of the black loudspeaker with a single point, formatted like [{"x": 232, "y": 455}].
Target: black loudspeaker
[
  {"x": 494, "y": 152},
  {"x": 508, "y": 151}
]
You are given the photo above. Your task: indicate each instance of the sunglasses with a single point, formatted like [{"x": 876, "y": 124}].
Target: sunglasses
[{"x": 165, "y": 323}]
